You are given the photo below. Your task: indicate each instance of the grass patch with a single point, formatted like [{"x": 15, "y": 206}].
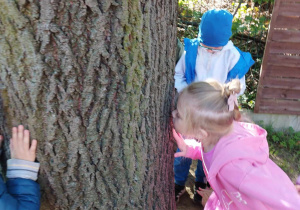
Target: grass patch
[{"x": 285, "y": 149}]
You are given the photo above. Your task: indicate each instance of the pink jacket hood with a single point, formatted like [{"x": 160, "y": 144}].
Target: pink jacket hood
[
  {"x": 246, "y": 141},
  {"x": 243, "y": 176}
]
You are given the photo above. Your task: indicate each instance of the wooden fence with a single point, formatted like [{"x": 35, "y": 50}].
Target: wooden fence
[{"x": 279, "y": 85}]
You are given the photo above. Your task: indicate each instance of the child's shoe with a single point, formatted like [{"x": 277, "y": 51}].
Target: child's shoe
[
  {"x": 179, "y": 191},
  {"x": 197, "y": 197}
]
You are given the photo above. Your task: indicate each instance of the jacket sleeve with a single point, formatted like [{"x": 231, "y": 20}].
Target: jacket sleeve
[
  {"x": 20, "y": 191},
  {"x": 194, "y": 149},
  {"x": 180, "y": 80},
  {"x": 19, "y": 194},
  {"x": 242, "y": 66}
]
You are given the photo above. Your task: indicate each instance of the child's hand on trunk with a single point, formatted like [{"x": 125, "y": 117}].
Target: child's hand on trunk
[{"x": 20, "y": 146}]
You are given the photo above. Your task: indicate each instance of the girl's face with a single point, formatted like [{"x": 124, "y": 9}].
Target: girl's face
[
  {"x": 178, "y": 122},
  {"x": 181, "y": 122},
  {"x": 179, "y": 119}
]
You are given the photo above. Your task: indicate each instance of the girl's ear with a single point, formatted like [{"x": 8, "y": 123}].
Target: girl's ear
[{"x": 202, "y": 133}]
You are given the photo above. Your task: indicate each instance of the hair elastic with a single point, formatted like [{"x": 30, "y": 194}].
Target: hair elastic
[{"x": 232, "y": 100}]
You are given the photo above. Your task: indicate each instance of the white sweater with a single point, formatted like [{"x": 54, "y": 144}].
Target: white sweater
[{"x": 210, "y": 66}]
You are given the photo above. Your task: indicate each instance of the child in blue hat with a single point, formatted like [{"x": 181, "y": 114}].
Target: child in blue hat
[{"x": 209, "y": 56}]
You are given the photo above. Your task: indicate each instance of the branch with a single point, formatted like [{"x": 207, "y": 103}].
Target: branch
[
  {"x": 245, "y": 37},
  {"x": 190, "y": 23},
  {"x": 237, "y": 8}
]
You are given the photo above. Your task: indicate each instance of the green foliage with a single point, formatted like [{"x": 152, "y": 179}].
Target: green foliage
[
  {"x": 250, "y": 20},
  {"x": 286, "y": 138},
  {"x": 247, "y": 100},
  {"x": 263, "y": 1},
  {"x": 284, "y": 147},
  {"x": 189, "y": 18}
]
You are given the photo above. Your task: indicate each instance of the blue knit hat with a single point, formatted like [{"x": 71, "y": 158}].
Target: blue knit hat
[{"x": 215, "y": 28}]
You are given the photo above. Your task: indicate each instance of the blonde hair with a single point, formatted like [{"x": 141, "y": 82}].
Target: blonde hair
[{"x": 208, "y": 107}]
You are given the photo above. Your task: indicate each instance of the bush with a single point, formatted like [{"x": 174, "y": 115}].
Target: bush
[{"x": 284, "y": 147}]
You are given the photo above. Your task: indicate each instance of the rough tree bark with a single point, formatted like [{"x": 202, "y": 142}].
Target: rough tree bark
[{"x": 93, "y": 81}]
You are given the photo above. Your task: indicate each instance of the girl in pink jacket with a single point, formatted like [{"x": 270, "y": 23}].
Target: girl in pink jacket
[{"x": 235, "y": 155}]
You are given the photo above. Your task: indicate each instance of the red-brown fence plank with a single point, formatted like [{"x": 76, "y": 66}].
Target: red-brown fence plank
[
  {"x": 284, "y": 47},
  {"x": 279, "y": 106},
  {"x": 281, "y": 83},
  {"x": 287, "y": 104},
  {"x": 284, "y": 60},
  {"x": 281, "y": 71},
  {"x": 289, "y": 9},
  {"x": 286, "y": 36},
  {"x": 277, "y": 111},
  {"x": 286, "y": 6},
  {"x": 289, "y": 22},
  {"x": 289, "y": 2},
  {"x": 281, "y": 93}
]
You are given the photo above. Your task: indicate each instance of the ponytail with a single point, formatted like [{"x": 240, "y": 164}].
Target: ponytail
[
  {"x": 213, "y": 107},
  {"x": 230, "y": 91}
]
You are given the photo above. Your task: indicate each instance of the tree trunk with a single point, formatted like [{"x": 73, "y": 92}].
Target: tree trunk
[{"x": 93, "y": 82}]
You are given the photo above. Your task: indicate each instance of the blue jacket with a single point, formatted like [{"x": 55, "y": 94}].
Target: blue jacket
[
  {"x": 238, "y": 71},
  {"x": 19, "y": 194}
]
